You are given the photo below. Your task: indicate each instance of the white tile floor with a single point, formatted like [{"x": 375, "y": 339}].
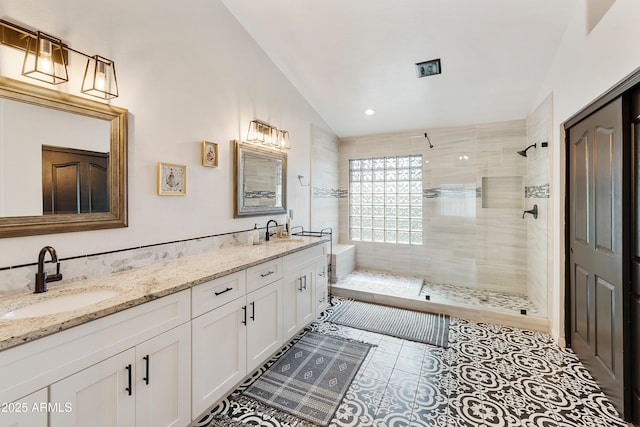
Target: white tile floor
[{"x": 489, "y": 376}]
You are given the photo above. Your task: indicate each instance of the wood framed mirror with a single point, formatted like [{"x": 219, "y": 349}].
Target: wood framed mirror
[
  {"x": 260, "y": 181},
  {"x": 63, "y": 162}
]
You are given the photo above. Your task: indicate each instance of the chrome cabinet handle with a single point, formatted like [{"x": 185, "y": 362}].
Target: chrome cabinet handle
[
  {"x": 267, "y": 273},
  {"x": 244, "y": 315},
  {"x": 253, "y": 311},
  {"x": 300, "y": 288}
]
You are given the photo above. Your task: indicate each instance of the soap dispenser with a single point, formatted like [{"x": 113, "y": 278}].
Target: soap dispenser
[
  {"x": 255, "y": 236},
  {"x": 288, "y": 226}
]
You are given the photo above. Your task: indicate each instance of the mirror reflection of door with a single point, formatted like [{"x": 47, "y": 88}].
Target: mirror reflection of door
[{"x": 74, "y": 181}]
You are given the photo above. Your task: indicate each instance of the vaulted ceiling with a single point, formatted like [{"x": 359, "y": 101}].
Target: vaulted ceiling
[{"x": 346, "y": 56}]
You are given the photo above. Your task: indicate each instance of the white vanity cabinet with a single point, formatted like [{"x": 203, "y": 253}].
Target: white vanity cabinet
[
  {"x": 98, "y": 395},
  {"x": 298, "y": 294},
  {"x": 86, "y": 369},
  {"x": 233, "y": 339},
  {"x": 299, "y": 289},
  {"x": 264, "y": 323},
  {"x": 29, "y": 411},
  {"x": 145, "y": 386}
]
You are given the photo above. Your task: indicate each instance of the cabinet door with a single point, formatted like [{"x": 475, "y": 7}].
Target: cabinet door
[
  {"x": 306, "y": 298},
  {"x": 29, "y": 411},
  {"x": 321, "y": 287},
  {"x": 163, "y": 379},
  {"x": 299, "y": 304},
  {"x": 99, "y": 396},
  {"x": 264, "y": 324},
  {"x": 219, "y": 354},
  {"x": 291, "y": 287}
]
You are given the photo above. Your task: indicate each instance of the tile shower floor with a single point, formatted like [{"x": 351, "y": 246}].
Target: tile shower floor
[
  {"x": 415, "y": 288},
  {"x": 489, "y": 376}
]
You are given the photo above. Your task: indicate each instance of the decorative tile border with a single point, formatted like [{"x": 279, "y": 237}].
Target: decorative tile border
[
  {"x": 537, "y": 191},
  {"x": 329, "y": 193},
  {"x": 530, "y": 192}
]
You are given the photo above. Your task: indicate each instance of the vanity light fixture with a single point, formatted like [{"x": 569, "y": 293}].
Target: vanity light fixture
[
  {"x": 43, "y": 59},
  {"x": 100, "y": 78},
  {"x": 265, "y": 134},
  {"x": 46, "y": 59},
  {"x": 283, "y": 141}
]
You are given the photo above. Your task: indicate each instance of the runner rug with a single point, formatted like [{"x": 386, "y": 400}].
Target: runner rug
[
  {"x": 407, "y": 324},
  {"x": 308, "y": 381}
]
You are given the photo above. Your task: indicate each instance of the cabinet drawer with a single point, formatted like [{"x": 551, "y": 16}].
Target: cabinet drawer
[
  {"x": 263, "y": 274},
  {"x": 298, "y": 259},
  {"x": 213, "y": 294}
]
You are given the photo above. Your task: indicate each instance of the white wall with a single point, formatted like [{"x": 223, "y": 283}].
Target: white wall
[
  {"x": 187, "y": 71},
  {"x": 585, "y": 66}
]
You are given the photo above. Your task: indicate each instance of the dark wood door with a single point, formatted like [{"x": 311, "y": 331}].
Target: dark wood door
[
  {"x": 74, "y": 181},
  {"x": 635, "y": 261},
  {"x": 596, "y": 247}
]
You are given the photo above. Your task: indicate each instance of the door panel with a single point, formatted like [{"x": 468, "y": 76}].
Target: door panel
[
  {"x": 595, "y": 195},
  {"x": 581, "y": 299},
  {"x": 580, "y": 183},
  {"x": 604, "y": 190},
  {"x": 74, "y": 181},
  {"x": 605, "y": 323}
]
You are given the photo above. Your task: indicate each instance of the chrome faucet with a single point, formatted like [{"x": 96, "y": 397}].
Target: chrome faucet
[
  {"x": 268, "y": 235},
  {"x": 41, "y": 276}
]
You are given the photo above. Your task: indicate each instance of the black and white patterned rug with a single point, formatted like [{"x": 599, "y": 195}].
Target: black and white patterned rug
[
  {"x": 308, "y": 382},
  {"x": 406, "y": 324}
]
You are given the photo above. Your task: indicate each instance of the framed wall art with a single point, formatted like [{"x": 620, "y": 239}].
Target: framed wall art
[
  {"x": 172, "y": 179},
  {"x": 209, "y": 154}
]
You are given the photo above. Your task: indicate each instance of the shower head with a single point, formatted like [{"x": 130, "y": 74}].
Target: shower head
[{"x": 523, "y": 153}]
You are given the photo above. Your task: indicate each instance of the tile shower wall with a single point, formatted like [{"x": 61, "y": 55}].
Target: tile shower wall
[
  {"x": 472, "y": 237},
  {"x": 537, "y": 192},
  {"x": 324, "y": 180}
]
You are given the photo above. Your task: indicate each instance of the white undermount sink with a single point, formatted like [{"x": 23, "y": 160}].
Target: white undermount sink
[{"x": 59, "y": 304}]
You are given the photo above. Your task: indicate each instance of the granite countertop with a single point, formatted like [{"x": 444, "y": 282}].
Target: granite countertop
[{"x": 137, "y": 286}]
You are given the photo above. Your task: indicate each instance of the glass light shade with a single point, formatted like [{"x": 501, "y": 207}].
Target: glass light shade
[
  {"x": 44, "y": 59},
  {"x": 261, "y": 133},
  {"x": 100, "y": 78},
  {"x": 271, "y": 136},
  {"x": 284, "y": 143}
]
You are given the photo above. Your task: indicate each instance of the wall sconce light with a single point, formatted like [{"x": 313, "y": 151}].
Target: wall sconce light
[
  {"x": 46, "y": 59},
  {"x": 283, "y": 142},
  {"x": 265, "y": 134},
  {"x": 43, "y": 59},
  {"x": 100, "y": 78}
]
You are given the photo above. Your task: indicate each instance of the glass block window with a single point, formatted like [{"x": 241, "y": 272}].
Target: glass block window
[{"x": 385, "y": 199}]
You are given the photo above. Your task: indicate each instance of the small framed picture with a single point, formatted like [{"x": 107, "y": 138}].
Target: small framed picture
[
  {"x": 172, "y": 179},
  {"x": 209, "y": 154}
]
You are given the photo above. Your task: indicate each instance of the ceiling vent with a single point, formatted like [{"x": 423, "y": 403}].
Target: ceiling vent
[{"x": 428, "y": 68}]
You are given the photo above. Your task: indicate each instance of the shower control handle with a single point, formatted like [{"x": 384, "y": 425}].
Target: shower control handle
[{"x": 533, "y": 212}]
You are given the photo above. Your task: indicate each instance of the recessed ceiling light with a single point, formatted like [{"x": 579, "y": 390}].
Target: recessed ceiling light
[{"x": 369, "y": 112}]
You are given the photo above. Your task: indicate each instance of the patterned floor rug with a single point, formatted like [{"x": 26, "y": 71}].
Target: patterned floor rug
[
  {"x": 309, "y": 381},
  {"x": 407, "y": 324}
]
